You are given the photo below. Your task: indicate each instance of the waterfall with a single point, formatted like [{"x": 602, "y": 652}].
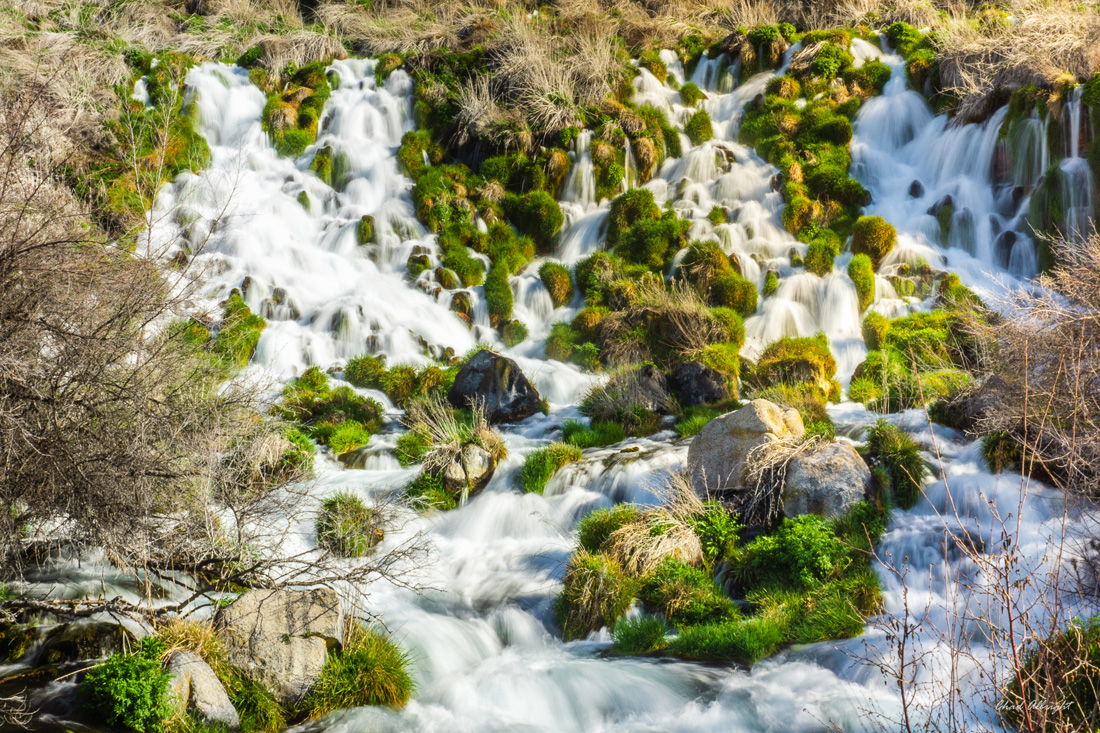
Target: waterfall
[{"x": 482, "y": 643}]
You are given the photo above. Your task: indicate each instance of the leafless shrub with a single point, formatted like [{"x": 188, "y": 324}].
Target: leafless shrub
[{"x": 15, "y": 712}]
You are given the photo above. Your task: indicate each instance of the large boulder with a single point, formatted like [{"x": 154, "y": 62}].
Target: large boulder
[
  {"x": 717, "y": 456},
  {"x": 281, "y": 638},
  {"x": 195, "y": 685},
  {"x": 696, "y": 383},
  {"x": 827, "y": 481},
  {"x": 497, "y": 383}
]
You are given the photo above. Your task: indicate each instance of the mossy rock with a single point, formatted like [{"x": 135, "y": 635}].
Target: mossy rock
[
  {"x": 861, "y": 271},
  {"x": 796, "y": 360},
  {"x": 364, "y": 230},
  {"x": 417, "y": 264},
  {"x": 731, "y": 290},
  {"x": 536, "y": 215},
  {"x": 635, "y": 205},
  {"x": 15, "y": 641},
  {"x": 558, "y": 282},
  {"x": 699, "y": 128},
  {"x": 875, "y": 326},
  {"x": 513, "y": 333}
]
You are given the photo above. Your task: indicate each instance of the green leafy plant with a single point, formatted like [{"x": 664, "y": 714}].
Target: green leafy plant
[{"x": 129, "y": 690}]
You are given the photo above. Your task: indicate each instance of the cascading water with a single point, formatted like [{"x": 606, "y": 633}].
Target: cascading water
[{"x": 483, "y": 654}]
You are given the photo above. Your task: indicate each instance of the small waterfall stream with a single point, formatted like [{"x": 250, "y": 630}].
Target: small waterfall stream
[{"x": 481, "y": 643}]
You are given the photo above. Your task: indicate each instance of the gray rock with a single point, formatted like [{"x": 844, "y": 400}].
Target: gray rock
[
  {"x": 497, "y": 382},
  {"x": 716, "y": 458},
  {"x": 470, "y": 471},
  {"x": 827, "y": 482},
  {"x": 281, "y": 637},
  {"x": 195, "y": 685}
]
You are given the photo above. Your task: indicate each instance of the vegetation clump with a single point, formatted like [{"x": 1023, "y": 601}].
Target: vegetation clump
[
  {"x": 558, "y": 282},
  {"x": 900, "y": 455},
  {"x": 291, "y": 114},
  {"x": 129, "y": 690},
  {"x": 370, "y": 669},
  {"x": 346, "y": 526},
  {"x": 874, "y": 237},
  {"x": 861, "y": 271},
  {"x": 698, "y": 128},
  {"x": 339, "y": 418},
  {"x": 541, "y": 465}
]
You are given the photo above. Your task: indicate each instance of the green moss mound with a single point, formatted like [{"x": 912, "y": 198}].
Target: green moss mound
[
  {"x": 732, "y": 291},
  {"x": 861, "y": 271},
  {"x": 699, "y": 128},
  {"x": 339, "y": 418},
  {"x": 627, "y": 209},
  {"x": 594, "y": 529},
  {"x": 691, "y": 95},
  {"x": 793, "y": 360},
  {"x": 686, "y": 595},
  {"x": 558, "y": 282},
  {"x": 875, "y": 237},
  {"x": 541, "y": 465},
  {"x": 239, "y": 333},
  {"x": 536, "y": 215}
]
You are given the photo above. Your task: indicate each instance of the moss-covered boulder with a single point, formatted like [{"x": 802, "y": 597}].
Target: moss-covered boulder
[
  {"x": 797, "y": 360},
  {"x": 558, "y": 282},
  {"x": 875, "y": 237}
]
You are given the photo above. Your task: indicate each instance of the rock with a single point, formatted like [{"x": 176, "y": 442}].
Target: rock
[
  {"x": 196, "y": 685},
  {"x": 1002, "y": 247},
  {"x": 16, "y": 640},
  {"x": 716, "y": 458},
  {"x": 284, "y": 118},
  {"x": 697, "y": 384},
  {"x": 827, "y": 482},
  {"x": 916, "y": 190},
  {"x": 83, "y": 641},
  {"x": 470, "y": 471},
  {"x": 297, "y": 96},
  {"x": 497, "y": 382},
  {"x": 652, "y": 387},
  {"x": 281, "y": 638}
]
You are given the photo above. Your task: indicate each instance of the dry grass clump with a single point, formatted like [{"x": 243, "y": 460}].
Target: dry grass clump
[
  {"x": 659, "y": 322},
  {"x": 434, "y": 418},
  {"x": 982, "y": 60},
  {"x": 661, "y": 532},
  {"x": 760, "y": 500}
]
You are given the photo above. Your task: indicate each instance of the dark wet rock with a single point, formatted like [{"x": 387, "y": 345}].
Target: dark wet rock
[
  {"x": 498, "y": 384},
  {"x": 697, "y": 384}
]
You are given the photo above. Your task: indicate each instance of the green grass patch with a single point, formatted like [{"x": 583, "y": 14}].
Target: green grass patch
[
  {"x": 541, "y": 465},
  {"x": 596, "y": 435},
  {"x": 371, "y": 669}
]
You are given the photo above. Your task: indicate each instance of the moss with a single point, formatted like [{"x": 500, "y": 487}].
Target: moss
[
  {"x": 926, "y": 340},
  {"x": 541, "y": 465},
  {"x": 594, "y": 529},
  {"x": 861, "y": 271},
  {"x": 440, "y": 197},
  {"x": 303, "y": 201},
  {"x": 513, "y": 333},
  {"x": 784, "y": 87},
  {"x": 416, "y": 264},
  {"x": 651, "y": 243},
  {"x": 454, "y": 243},
  {"x": 903, "y": 37},
  {"x": 651, "y": 61},
  {"x": 699, "y": 128},
  {"x": 365, "y": 371},
  {"x": 733, "y": 291},
  {"x": 732, "y": 323},
  {"x": 871, "y": 77},
  {"x": 875, "y": 326},
  {"x": 596, "y": 593},
  {"x": 338, "y": 417},
  {"x": 426, "y": 492},
  {"x": 873, "y": 236},
  {"x": 561, "y": 342},
  {"x": 691, "y": 95},
  {"x": 792, "y": 360},
  {"x": 635, "y": 205},
  {"x": 370, "y": 669},
  {"x": 587, "y": 322},
  {"x": 290, "y": 117},
  {"x": 724, "y": 358},
  {"x": 417, "y": 152},
  {"x": 686, "y": 595},
  {"x": 900, "y": 455},
  {"x": 717, "y": 216},
  {"x": 819, "y": 258},
  {"x": 558, "y": 283},
  {"x": 346, "y": 526},
  {"x": 364, "y": 230},
  {"x": 239, "y": 333},
  {"x": 771, "y": 283},
  {"x": 537, "y": 215}
]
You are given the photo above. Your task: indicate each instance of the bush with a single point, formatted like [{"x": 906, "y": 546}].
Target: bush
[
  {"x": 370, "y": 670},
  {"x": 639, "y": 635},
  {"x": 801, "y": 554},
  {"x": 558, "y": 283},
  {"x": 536, "y": 215},
  {"x": 594, "y": 529},
  {"x": 900, "y": 455},
  {"x": 875, "y": 326},
  {"x": 699, "y": 128},
  {"x": 129, "y": 690},
  {"x": 595, "y": 436},
  {"x": 346, "y": 526},
  {"x": 718, "y": 532},
  {"x": 873, "y": 236},
  {"x": 733, "y": 291},
  {"x": 691, "y": 95},
  {"x": 541, "y": 465},
  {"x": 240, "y": 332},
  {"x": 595, "y": 594},
  {"x": 861, "y": 271},
  {"x": 819, "y": 259},
  {"x": 686, "y": 595}
]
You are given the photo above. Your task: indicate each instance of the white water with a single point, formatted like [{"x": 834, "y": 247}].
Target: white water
[{"x": 485, "y": 652}]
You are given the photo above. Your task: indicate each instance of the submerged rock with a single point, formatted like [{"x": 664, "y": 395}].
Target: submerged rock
[
  {"x": 281, "y": 638},
  {"x": 497, "y": 382},
  {"x": 717, "y": 457},
  {"x": 84, "y": 641},
  {"x": 828, "y": 481},
  {"x": 196, "y": 686},
  {"x": 697, "y": 384}
]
